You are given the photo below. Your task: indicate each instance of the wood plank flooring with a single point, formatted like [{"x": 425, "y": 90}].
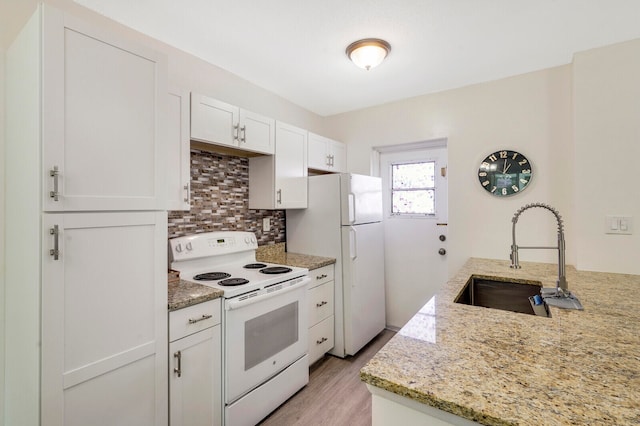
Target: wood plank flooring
[{"x": 335, "y": 395}]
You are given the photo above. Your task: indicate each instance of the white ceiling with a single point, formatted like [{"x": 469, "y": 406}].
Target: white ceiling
[{"x": 295, "y": 48}]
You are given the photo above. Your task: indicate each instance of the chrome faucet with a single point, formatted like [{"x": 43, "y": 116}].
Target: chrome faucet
[
  {"x": 559, "y": 296},
  {"x": 562, "y": 288}
]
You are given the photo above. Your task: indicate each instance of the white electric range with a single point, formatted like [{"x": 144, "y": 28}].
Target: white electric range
[{"x": 264, "y": 320}]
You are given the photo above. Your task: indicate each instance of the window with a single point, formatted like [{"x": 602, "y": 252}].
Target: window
[{"x": 413, "y": 189}]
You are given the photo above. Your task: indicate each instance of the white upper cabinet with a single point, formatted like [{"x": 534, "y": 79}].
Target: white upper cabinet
[
  {"x": 103, "y": 147},
  {"x": 220, "y": 123},
  {"x": 178, "y": 160},
  {"x": 326, "y": 154},
  {"x": 257, "y": 132},
  {"x": 280, "y": 181},
  {"x": 214, "y": 121}
]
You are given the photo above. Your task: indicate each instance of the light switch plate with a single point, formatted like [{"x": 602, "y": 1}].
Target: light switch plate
[
  {"x": 621, "y": 225},
  {"x": 266, "y": 224}
]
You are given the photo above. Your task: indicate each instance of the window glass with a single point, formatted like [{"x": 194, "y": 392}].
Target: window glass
[{"x": 413, "y": 188}]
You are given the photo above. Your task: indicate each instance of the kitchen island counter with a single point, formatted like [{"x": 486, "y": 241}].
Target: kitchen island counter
[{"x": 497, "y": 367}]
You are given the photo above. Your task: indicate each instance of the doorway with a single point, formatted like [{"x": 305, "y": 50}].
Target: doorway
[{"x": 414, "y": 185}]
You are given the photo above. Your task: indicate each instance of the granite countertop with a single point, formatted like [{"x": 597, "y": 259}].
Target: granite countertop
[
  {"x": 504, "y": 368},
  {"x": 183, "y": 294},
  {"x": 275, "y": 254}
]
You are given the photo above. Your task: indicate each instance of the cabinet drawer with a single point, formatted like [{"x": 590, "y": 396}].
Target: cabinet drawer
[
  {"x": 320, "y": 339},
  {"x": 320, "y": 303},
  {"x": 321, "y": 275},
  {"x": 184, "y": 322}
]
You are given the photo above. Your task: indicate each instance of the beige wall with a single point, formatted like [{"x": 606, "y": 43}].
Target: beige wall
[
  {"x": 2, "y": 179},
  {"x": 530, "y": 113},
  {"x": 606, "y": 83}
]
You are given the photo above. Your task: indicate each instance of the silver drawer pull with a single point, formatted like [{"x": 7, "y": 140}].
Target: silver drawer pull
[
  {"x": 321, "y": 341},
  {"x": 178, "y": 356},
  {"x": 319, "y": 277},
  {"x": 55, "y": 173},
  {"x": 202, "y": 318},
  {"x": 55, "y": 251},
  {"x": 321, "y": 304}
]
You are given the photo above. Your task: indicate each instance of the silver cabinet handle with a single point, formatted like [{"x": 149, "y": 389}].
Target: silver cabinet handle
[
  {"x": 279, "y": 196},
  {"x": 55, "y": 251},
  {"x": 54, "y": 173},
  {"x": 236, "y": 135},
  {"x": 202, "y": 318},
  {"x": 321, "y": 341},
  {"x": 331, "y": 160},
  {"x": 319, "y": 305},
  {"x": 186, "y": 190},
  {"x": 178, "y": 370},
  {"x": 243, "y": 135},
  {"x": 319, "y": 277}
]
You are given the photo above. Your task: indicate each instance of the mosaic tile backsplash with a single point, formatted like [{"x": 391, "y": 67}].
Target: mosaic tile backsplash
[{"x": 220, "y": 201}]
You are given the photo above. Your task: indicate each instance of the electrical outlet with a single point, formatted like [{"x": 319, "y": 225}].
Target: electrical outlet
[
  {"x": 266, "y": 224},
  {"x": 621, "y": 225}
]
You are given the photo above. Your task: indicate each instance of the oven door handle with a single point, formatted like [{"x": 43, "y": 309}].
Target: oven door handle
[{"x": 237, "y": 304}]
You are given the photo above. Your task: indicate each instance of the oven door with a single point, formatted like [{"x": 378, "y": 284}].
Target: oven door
[{"x": 264, "y": 334}]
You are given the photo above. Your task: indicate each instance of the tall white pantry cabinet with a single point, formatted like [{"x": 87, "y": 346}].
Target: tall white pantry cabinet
[{"x": 86, "y": 233}]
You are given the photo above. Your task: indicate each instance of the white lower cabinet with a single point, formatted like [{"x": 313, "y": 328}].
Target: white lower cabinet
[
  {"x": 195, "y": 365},
  {"x": 103, "y": 321},
  {"x": 321, "y": 312}
]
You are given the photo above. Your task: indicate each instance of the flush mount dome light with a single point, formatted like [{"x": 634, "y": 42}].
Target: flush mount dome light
[{"x": 368, "y": 53}]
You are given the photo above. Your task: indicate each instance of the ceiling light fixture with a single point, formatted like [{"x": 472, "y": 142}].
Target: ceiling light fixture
[{"x": 368, "y": 53}]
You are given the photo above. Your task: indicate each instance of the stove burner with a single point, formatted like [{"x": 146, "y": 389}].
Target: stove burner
[
  {"x": 211, "y": 276},
  {"x": 254, "y": 266},
  {"x": 233, "y": 281},
  {"x": 275, "y": 270}
]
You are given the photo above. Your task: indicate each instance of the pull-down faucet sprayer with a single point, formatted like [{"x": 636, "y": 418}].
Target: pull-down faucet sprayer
[
  {"x": 515, "y": 263},
  {"x": 560, "y": 296}
]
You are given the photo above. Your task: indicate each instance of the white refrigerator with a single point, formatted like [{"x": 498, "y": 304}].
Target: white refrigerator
[{"x": 344, "y": 220}]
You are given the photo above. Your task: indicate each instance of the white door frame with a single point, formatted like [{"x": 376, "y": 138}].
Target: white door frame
[{"x": 406, "y": 293}]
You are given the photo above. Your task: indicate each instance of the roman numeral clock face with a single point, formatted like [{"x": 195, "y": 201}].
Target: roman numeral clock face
[{"x": 505, "y": 173}]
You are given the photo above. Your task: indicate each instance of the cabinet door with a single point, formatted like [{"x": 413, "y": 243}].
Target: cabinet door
[
  {"x": 104, "y": 319},
  {"x": 257, "y": 132},
  {"x": 318, "y": 158},
  {"x": 290, "y": 167},
  {"x": 103, "y": 108},
  {"x": 214, "y": 121},
  {"x": 178, "y": 158},
  {"x": 195, "y": 379},
  {"x": 338, "y": 156}
]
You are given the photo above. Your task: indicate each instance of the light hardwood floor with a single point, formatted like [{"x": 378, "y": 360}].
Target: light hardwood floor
[{"x": 335, "y": 395}]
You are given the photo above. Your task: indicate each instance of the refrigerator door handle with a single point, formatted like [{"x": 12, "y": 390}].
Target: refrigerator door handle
[
  {"x": 353, "y": 245},
  {"x": 352, "y": 207}
]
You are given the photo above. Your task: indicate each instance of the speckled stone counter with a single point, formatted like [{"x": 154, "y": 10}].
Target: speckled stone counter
[
  {"x": 183, "y": 294},
  {"x": 504, "y": 368},
  {"x": 275, "y": 254}
]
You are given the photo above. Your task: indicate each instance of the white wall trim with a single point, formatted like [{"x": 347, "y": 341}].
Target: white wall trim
[{"x": 409, "y": 146}]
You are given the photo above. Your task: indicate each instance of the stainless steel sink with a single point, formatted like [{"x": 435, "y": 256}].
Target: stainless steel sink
[{"x": 501, "y": 294}]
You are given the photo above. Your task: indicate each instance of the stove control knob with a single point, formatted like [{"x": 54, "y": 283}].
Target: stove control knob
[
  {"x": 253, "y": 239},
  {"x": 189, "y": 246},
  {"x": 246, "y": 240},
  {"x": 179, "y": 248}
]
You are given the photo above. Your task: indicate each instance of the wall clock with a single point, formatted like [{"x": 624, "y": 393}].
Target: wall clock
[{"x": 505, "y": 173}]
